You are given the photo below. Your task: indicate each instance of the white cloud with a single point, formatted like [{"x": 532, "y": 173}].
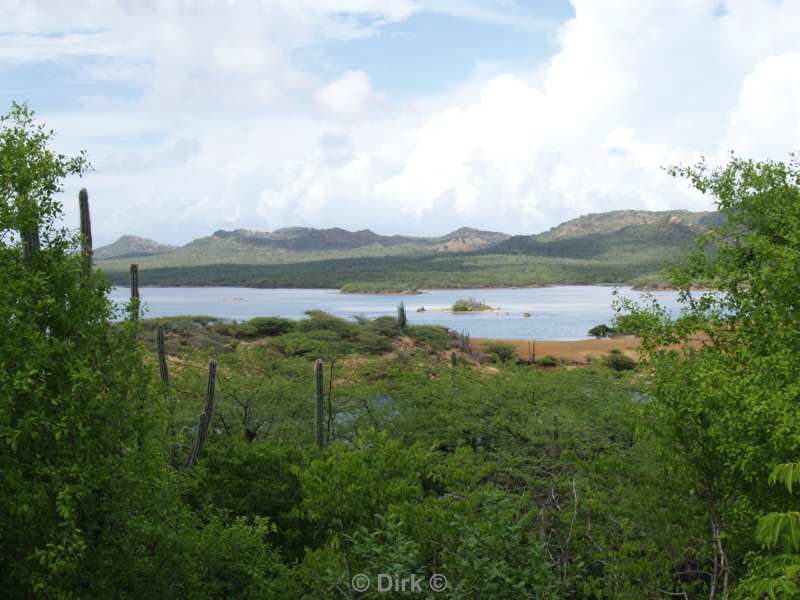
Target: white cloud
[
  {"x": 349, "y": 97},
  {"x": 231, "y": 129},
  {"x": 766, "y": 119}
]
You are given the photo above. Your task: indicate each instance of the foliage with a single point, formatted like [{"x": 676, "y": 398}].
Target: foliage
[
  {"x": 601, "y": 331},
  {"x": 548, "y": 361},
  {"x": 618, "y": 361},
  {"x": 726, "y": 393},
  {"x": 435, "y": 337},
  {"x": 88, "y": 509},
  {"x": 263, "y": 326},
  {"x": 31, "y": 175},
  {"x": 469, "y": 305},
  {"x": 501, "y": 351}
]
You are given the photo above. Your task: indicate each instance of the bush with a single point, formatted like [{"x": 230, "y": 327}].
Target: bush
[
  {"x": 311, "y": 344},
  {"x": 619, "y": 362},
  {"x": 548, "y": 361},
  {"x": 373, "y": 343},
  {"x": 256, "y": 479},
  {"x": 265, "y": 326},
  {"x": 436, "y": 337},
  {"x": 384, "y": 326},
  {"x": 601, "y": 331},
  {"x": 500, "y": 351},
  {"x": 469, "y": 305},
  {"x": 319, "y": 320}
]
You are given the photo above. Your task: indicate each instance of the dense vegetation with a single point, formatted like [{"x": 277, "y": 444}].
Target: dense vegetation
[
  {"x": 399, "y": 273},
  {"x": 470, "y": 305},
  {"x": 619, "y": 246},
  {"x": 512, "y": 480}
]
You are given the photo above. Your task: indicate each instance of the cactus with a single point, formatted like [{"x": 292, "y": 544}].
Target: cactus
[
  {"x": 453, "y": 359},
  {"x": 162, "y": 355},
  {"x": 464, "y": 342},
  {"x": 532, "y": 351},
  {"x": 401, "y": 315},
  {"x": 205, "y": 418},
  {"x": 134, "y": 284},
  {"x": 162, "y": 367},
  {"x": 320, "y": 397},
  {"x": 330, "y": 427},
  {"x": 30, "y": 243},
  {"x": 86, "y": 231}
]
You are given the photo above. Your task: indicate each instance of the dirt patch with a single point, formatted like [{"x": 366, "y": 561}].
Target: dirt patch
[
  {"x": 404, "y": 345},
  {"x": 572, "y": 351},
  {"x": 583, "y": 351}
]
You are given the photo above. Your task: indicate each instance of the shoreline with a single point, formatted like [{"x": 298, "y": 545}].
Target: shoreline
[{"x": 418, "y": 292}]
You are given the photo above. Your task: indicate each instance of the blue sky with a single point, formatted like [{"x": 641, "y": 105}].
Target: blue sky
[
  {"x": 402, "y": 116},
  {"x": 428, "y": 53}
]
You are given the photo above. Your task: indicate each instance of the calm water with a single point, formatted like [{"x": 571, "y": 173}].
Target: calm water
[{"x": 557, "y": 313}]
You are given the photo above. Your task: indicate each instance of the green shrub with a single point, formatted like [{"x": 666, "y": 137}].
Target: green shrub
[
  {"x": 312, "y": 344},
  {"x": 384, "y": 326},
  {"x": 255, "y": 479},
  {"x": 548, "y": 361},
  {"x": 601, "y": 331},
  {"x": 469, "y": 305},
  {"x": 619, "y": 362},
  {"x": 370, "y": 342},
  {"x": 500, "y": 351},
  {"x": 265, "y": 326},
  {"x": 436, "y": 337},
  {"x": 319, "y": 320}
]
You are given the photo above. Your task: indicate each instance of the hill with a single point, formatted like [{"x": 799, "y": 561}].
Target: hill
[
  {"x": 616, "y": 220},
  {"x": 298, "y": 244},
  {"x": 129, "y": 246},
  {"x": 615, "y": 247}
]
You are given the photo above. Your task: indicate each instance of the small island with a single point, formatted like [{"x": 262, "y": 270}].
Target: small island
[{"x": 470, "y": 305}]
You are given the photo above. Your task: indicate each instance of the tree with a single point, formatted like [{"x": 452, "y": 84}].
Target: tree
[
  {"x": 727, "y": 397},
  {"x": 600, "y": 331},
  {"x": 88, "y": 507}
]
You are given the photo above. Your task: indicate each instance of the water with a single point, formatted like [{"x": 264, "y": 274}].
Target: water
[{"x": 557, "y": 313}]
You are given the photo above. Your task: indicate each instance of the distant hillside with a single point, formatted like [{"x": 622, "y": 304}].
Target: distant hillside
[
  {"x": 616, "y": 220},
  {"x": 300, "y": 244},
  {"x": 129, "y": 246},
  {"x": 614, "y": 247},
  {"x": 307, "y": 239},
  {"x": 658, "y": 239}
]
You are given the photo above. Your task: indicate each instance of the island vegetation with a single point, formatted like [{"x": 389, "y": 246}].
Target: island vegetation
[
  {"x": 470, "y": 305},
  {"x": 196, "y": 458}
]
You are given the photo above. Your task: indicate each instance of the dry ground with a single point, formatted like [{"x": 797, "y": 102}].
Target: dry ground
[{"x": 574, "y": 351}]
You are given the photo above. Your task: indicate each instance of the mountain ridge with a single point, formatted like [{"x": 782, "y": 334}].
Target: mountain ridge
[{"x": 606, "y": 247}]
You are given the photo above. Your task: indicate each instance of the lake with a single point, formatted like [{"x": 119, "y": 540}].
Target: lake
[{"x": 557, "y": 313}]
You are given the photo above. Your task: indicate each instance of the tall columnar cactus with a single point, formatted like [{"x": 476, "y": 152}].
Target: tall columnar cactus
[
  {"x": 318, "y": 415},
  {"x": 162, "y": 367},
  {"x": 134, "y": 284},
  {"x": 86, "y": 231},
  {"x": 532, "y": 351},
  {"x": 465, "y": 343},
  {"x": 162, "y": 355},
  {"x": 401, "y": 315},
  {"x": 205, "y": 418},
  {"x": 453, "y": 360},
  {"x": 30, "y": 243}
]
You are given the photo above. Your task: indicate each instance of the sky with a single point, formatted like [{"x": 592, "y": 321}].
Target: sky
[{"x": 401, "y": 116}]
